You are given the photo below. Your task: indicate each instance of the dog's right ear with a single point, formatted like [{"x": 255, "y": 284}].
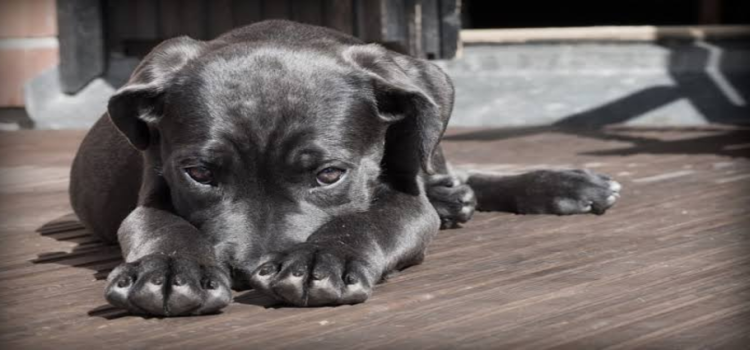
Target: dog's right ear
[
  {"x": 417, "y": 121},
  {"x": 138, "y": 105}
]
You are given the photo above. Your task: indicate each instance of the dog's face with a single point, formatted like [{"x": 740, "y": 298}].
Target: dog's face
[{"x": 259, "y": 147}]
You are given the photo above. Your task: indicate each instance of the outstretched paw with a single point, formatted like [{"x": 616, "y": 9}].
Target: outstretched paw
[
  {"x": 315, "y": 275},
  {"x": 158, "y": 285},
  {"x": 566, "y": 192}
]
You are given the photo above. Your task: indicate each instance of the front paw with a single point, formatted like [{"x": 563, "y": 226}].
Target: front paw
[
  {"x": 566, "y": 192},
  {"x": 453, "y": 200},
  {"x": 315, "y": 275},
  {"x": 159, "y": 285}
]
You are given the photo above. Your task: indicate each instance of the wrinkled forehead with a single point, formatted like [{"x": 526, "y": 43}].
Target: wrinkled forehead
[
  {"x": 273, "y": 78},
  {"x": 263, "y": 96}
]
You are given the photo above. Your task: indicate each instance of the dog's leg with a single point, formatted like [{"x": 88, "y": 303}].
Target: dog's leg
[
  {"x": 560, "y": 192},
  {"x": 170, "y": 268},
  {"x": 340, "y": 263}
]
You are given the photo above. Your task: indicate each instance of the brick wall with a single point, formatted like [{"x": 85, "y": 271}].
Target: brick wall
[{"x": 28, "y": 45}]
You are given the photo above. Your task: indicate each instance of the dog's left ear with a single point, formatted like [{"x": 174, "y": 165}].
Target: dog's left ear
[
  {"x": 412, "y": 95},
  {"x": 137, "y": 107}
]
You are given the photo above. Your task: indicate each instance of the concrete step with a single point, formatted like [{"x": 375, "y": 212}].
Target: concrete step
[
  {"x": 594, "y": 84},
  {"x": 584, "y": 84}
]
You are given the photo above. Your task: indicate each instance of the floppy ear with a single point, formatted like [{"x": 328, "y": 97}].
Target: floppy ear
[
  {"x": 414, "y": 96},
  {"x": 138, "y": 105}
]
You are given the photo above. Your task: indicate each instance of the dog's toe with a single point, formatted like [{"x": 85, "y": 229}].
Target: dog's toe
[
  {"x": 614, "y": 186},
  {"x": 311, "y": 275},
  {"x": 324, "y": 291},
  {"x": 611, "y": 199},
  {"x": 163, "y": 286},
  {"x": 567, "y": 192},
  {"x": 149, "y": 296}
]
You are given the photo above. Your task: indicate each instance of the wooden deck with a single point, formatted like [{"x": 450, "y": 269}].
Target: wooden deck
[{"x": 667, "y": 268}]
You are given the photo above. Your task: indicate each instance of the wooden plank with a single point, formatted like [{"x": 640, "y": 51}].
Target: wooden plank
[
  {"x": 450, "y": 27},
  {"x": 220, "y": 17},
  {"x": 183, "y": 17},
  {"x": 143, "y": 20},
  {"x": 194, "y": 19},
  {"x": 277, "y": 9},
  {"x": 414, "y": 27},
  {"x": 169, "y": 18},
  {"x": 135, "y": 26},
  {"x": 339, "y": 15},
  {"x": 368, "y": 14},
  {"x": 81, "y": 37},
  {"x": 667, "y": 267},
  {"x": 245, "y": 12},
  {"x": 430, "y": 29},
  {"x": 307, "y": 11},
  {"x": 117, "y": 23},
  {"x": 395, "y": 25}
]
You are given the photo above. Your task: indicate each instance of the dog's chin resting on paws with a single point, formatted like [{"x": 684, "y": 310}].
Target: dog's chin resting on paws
[{"x": 288, "y": 158}]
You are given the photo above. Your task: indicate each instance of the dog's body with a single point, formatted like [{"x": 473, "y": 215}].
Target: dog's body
[{"x": 288, "y": 158}]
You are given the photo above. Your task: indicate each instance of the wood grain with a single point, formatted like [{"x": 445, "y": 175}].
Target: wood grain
[{"x": 667, "y": 268}]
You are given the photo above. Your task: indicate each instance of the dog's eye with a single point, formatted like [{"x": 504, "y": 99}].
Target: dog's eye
[
  {"x": 200, "y": 174},
  {"x": 330, "y": 176}
]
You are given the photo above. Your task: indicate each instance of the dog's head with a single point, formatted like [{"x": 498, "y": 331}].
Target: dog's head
[{"x": 259, "y": 145}]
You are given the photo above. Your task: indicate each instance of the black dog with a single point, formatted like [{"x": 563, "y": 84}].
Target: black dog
[{"x": 288, "y": 158}]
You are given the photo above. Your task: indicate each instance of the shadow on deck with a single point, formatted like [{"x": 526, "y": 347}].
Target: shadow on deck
[{"x": 721, "y": 141}]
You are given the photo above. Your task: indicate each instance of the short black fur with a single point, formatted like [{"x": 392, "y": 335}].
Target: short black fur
[{"x": 263, "y": 110}]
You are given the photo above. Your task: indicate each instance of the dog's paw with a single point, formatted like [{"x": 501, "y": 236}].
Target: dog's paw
[
  {"x": 566, "y": 192},
  {"x": 158, "y": 285},
  {"x": 453, "y": 200},
  {"x": 314, "y": 275}
]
